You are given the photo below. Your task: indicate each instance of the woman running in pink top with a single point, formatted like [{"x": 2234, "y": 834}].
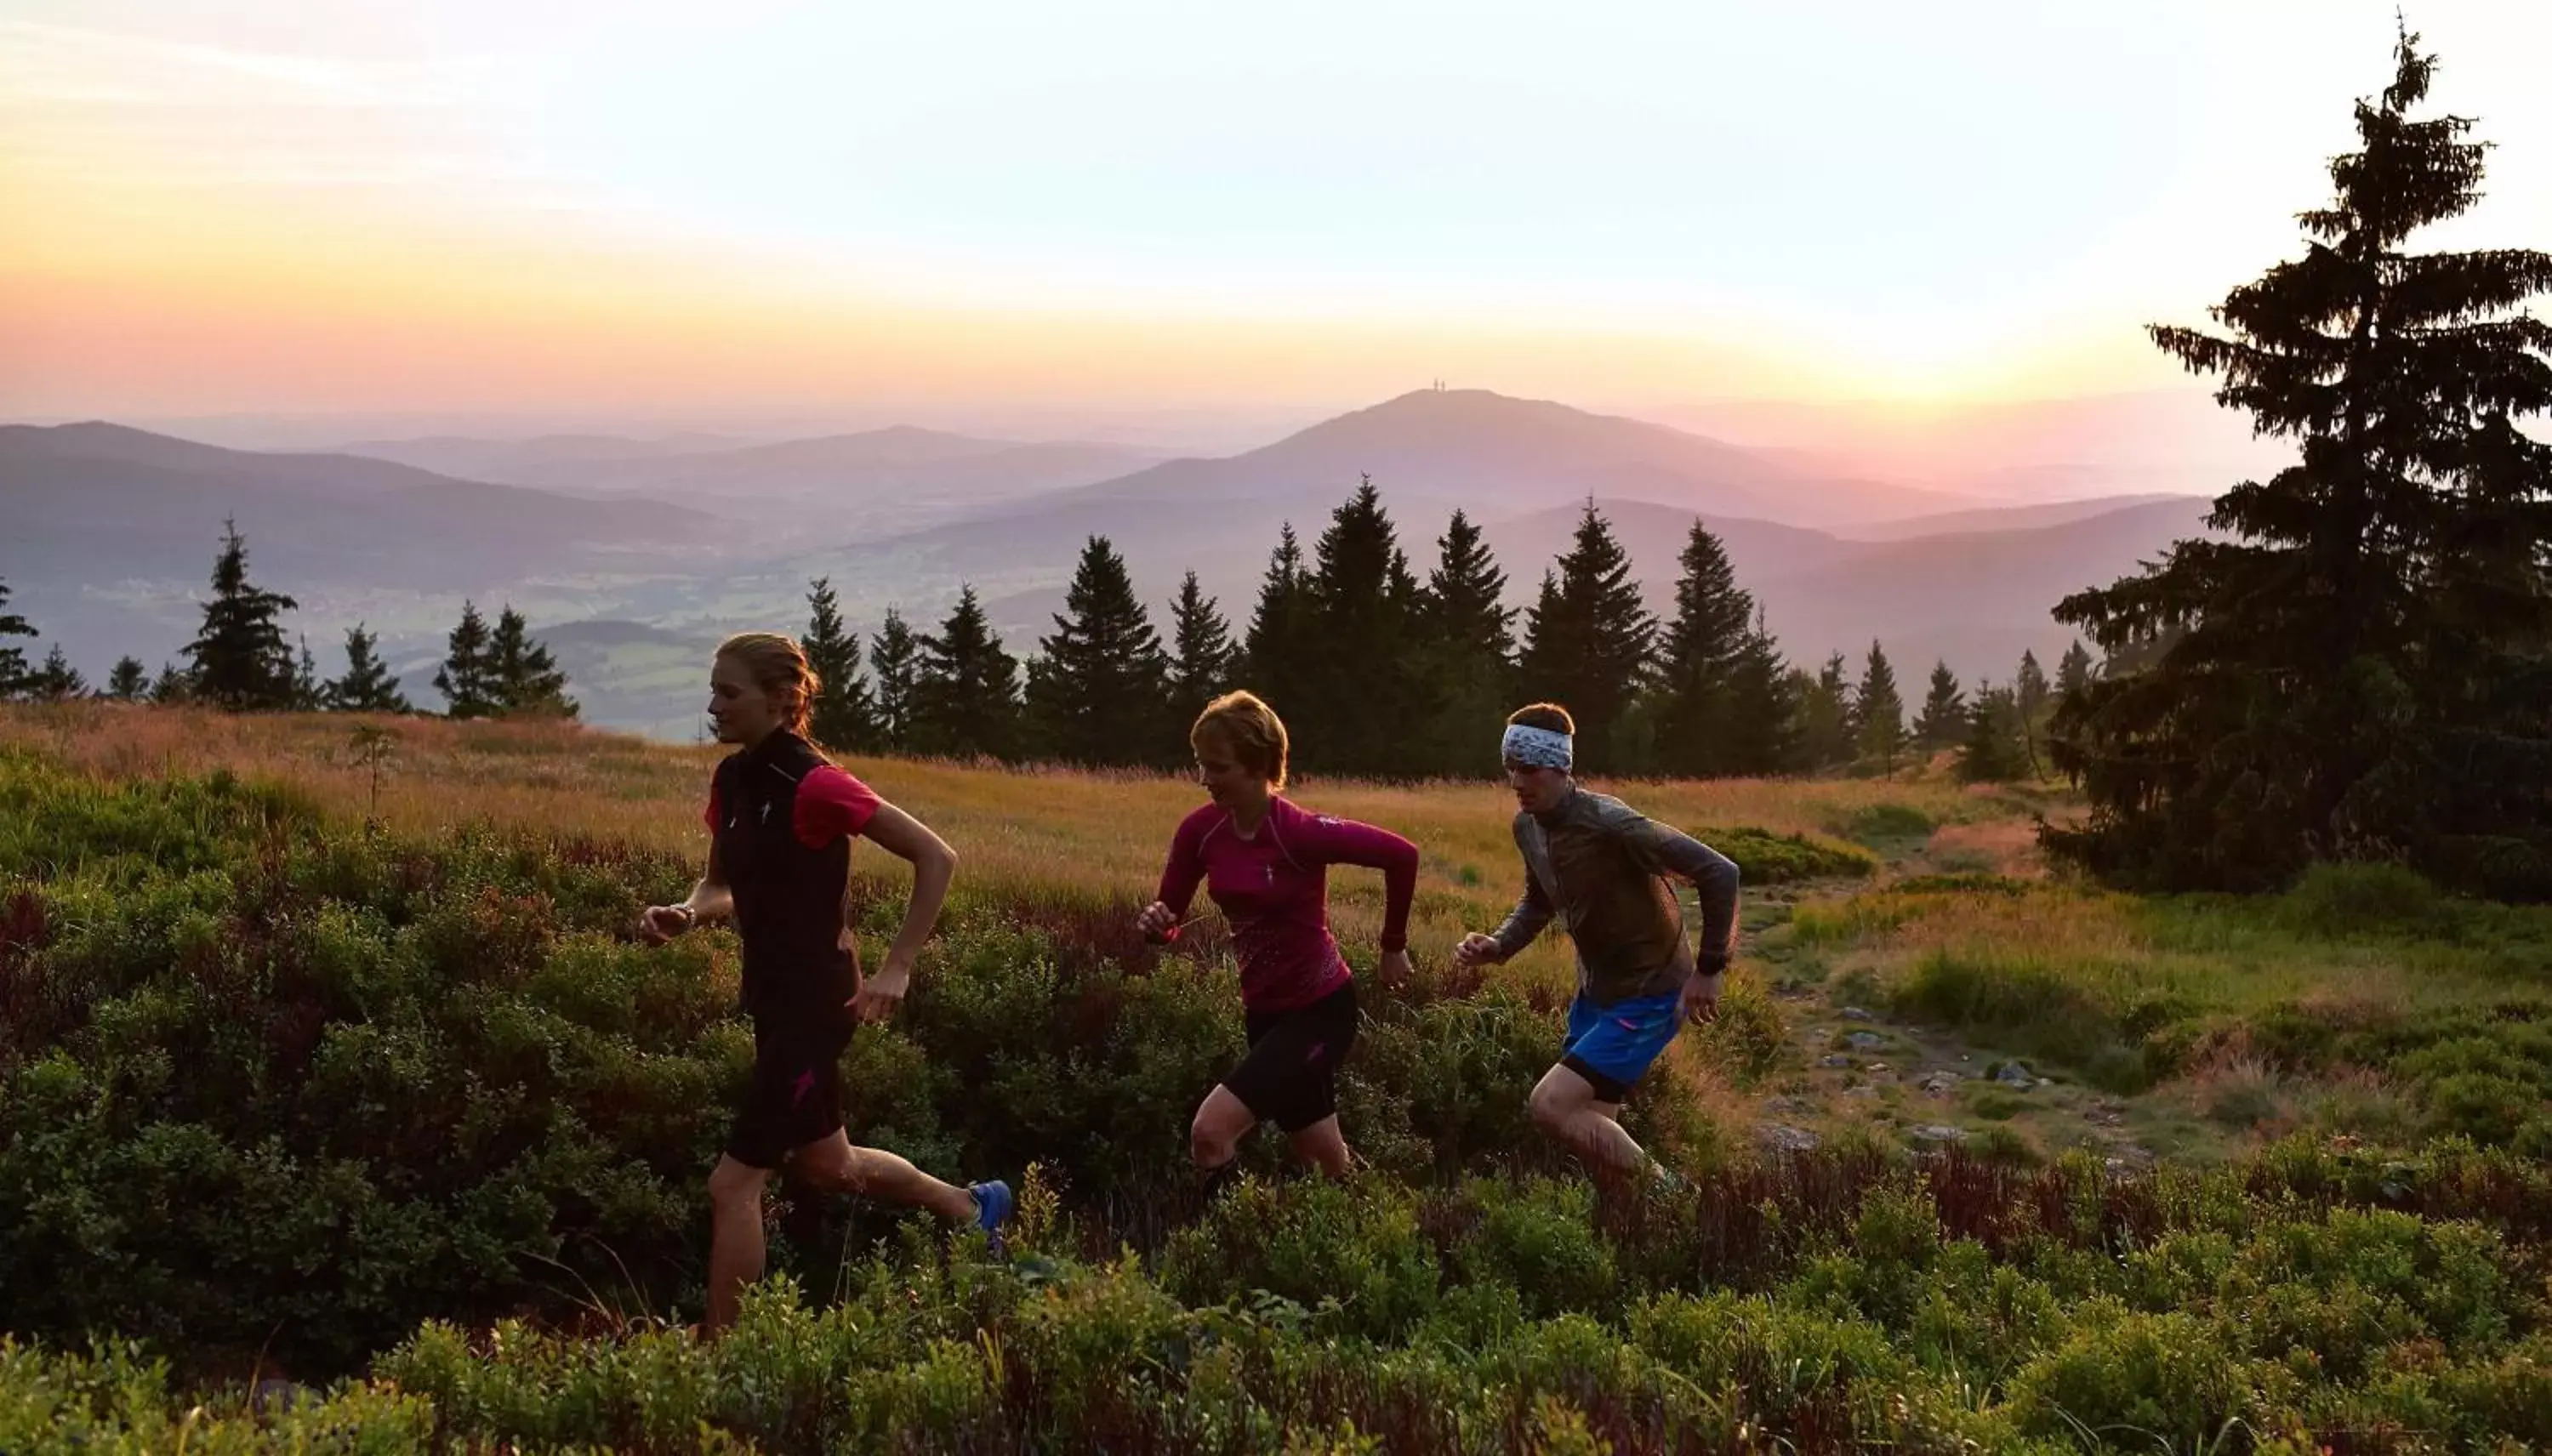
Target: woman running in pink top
[{"x": 1264, "y": 862}]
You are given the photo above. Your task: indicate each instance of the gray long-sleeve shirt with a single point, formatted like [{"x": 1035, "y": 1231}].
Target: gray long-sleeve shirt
[{"x": 1598, "y": 864}]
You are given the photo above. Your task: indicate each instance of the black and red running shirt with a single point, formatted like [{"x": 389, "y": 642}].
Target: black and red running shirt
[{"x": 782, "y": 817}]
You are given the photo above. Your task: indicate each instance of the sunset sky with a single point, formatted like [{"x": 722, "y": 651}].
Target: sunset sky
[{"x": 666, "y": 210}]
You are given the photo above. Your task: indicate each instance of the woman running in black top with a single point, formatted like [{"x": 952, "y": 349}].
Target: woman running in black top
[{"x": 781, "y": 818}]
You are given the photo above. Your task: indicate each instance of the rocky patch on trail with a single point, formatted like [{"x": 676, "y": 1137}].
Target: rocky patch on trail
[
  {"x": 1780, "y": 1137},
  {"x": 1849, "y": 1080}
]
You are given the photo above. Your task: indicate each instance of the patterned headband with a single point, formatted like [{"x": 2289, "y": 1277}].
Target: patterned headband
[{"x": 1538, "y": 748}]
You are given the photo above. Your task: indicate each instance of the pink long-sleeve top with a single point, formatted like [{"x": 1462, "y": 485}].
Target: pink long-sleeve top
[{"x": 1273, "y": 890}]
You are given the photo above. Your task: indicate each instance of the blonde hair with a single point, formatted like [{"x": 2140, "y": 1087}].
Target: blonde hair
[
  {"x": 779, "y": 667},
  {"x": 1550, "y": 717},
  {"x": 1244, "y": 724}
]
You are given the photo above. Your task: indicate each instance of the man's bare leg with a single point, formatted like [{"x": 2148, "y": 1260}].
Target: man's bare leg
[{"x": 1564, "y": 1107}]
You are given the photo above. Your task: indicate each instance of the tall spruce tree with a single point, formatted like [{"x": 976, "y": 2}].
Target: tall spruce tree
[
  {"x": 525, "y": 680},
  {"x": 13, "y": 660},
  {"x": 1826, "y": 717},
  {"x": 130, "y": 681},
  {"x": 1991, "y": 753},
  {"x": 1202, "y": 659},
  {"x": 845, "y": 715},
  {"x": 367, "y": 685},
  {"x": 1588, "y": 638},
  {"x": 1366, "y": 687},
  {"x": 1099, "y": 692},
  {"x": 895, "y": 655},
  {"x": 1879, "y": 713},
  {"x": 309, "y": 694},
  {"x": 1467, "y": 651},
  {"x": 1705, "y": 642},
  {"x": 2030, "y": 696},
  {"x": 966, "y": 696},
  {"x": 2072, "y": 671},
  {"x": 2362, "y": 671},
  {"x": 240, "y": 662},
  {"x": 1282, "y": 654},
  {"x": 57, "y": 680},
  {"x": 466, "y": 678},
  {"x": 1763, "y": 734},
  {"x": 1943, "y": 723}
]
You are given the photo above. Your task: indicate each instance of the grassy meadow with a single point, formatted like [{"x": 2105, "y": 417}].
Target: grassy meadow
[{"x": 368, "y": 1085}]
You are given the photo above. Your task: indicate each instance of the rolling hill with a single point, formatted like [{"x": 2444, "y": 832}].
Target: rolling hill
[
  {"x": 1495, "y": 455},
  {"x": 106, "y": 533}
]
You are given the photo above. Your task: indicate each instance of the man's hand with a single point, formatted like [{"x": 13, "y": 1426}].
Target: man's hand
[
  {"x": 1701, "y": 996},
  {"x": 1394, "y": 970},
  {"x": 658, "y": 924},
  {"x": 1476, "y": 948},
  {"x": 881, "y": 993},
  {"x": 1158, "y": 923}
]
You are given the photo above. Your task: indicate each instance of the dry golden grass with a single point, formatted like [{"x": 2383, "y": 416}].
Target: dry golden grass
[
  {"x": 2007, "y": 847},
  {"x": 2031, "y": 951},
  {"x": 1039, "y": 829}
]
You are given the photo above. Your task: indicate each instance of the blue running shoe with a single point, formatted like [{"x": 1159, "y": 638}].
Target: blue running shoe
[{"x": 992, "y": 1210}]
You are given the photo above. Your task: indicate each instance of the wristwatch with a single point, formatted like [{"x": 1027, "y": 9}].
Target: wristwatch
[{"x": 1710, "y": 963}]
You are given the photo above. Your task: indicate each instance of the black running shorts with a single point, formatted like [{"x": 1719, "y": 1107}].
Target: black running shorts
[
  {"x": 795, "y": 1094},
  {"x": 1290, "y": 1075}
]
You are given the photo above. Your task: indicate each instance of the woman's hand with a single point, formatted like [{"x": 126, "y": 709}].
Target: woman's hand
[
  {"x": 658, "y": 924},
  {"x": 881, "y": 993},
  {"x": 1158, "y": 923},
  {"x": 1394, "y": 970},
  {"x": 1476, "y": 948}
]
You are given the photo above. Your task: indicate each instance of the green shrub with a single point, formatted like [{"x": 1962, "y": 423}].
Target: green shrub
[
  {"x": 1352, "y": 1252},
  {"x": 2124, "y": 1379},
  {"x": 1766, "y": 858}
]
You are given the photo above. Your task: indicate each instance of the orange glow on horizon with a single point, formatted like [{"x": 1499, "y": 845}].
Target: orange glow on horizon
[{"x": 316, "y": 304}]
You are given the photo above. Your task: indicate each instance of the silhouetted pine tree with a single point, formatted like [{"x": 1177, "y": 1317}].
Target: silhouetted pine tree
[
  {"x": 2363, "y": 671},
  {"x": 309, "y": 694},
  {"x": 130, "y": 680},
  {"x": 1281, "y": 660},
  {"x": 521, "y": 678},
  {"x": 1879, "y": 713},
  {"x": 1826, "y": 717},
  {"x": 966, "y": 696},
  {"x": 57, "y": 680},
  {"x": 894, "y": 657},
  {"x": 1587, "y": 640},
  {"x": 1099, "y": 693},
  {"x": 1697, "y": 678},
  {"x": 1367, "y": 688},
  {"x": 1202, "y": 660},
  {"x": 1991, "y": 753},
  {"x": 240, "y": 662},
  {"x": 844, "y": 716},
  {"x": 1467, "y": 651},
  {"x": 1764, "y": 732},
  {"x": 13, "y": 660},
  {"x": 367, "y": 686},
  {"x": 466, "y": 680},
  {"x": 2031, "y": 698},
  {"x": 1942, "y": 722}
]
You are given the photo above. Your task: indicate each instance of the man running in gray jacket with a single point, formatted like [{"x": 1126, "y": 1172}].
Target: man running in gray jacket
[{"x": 1599, "y": 866}]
